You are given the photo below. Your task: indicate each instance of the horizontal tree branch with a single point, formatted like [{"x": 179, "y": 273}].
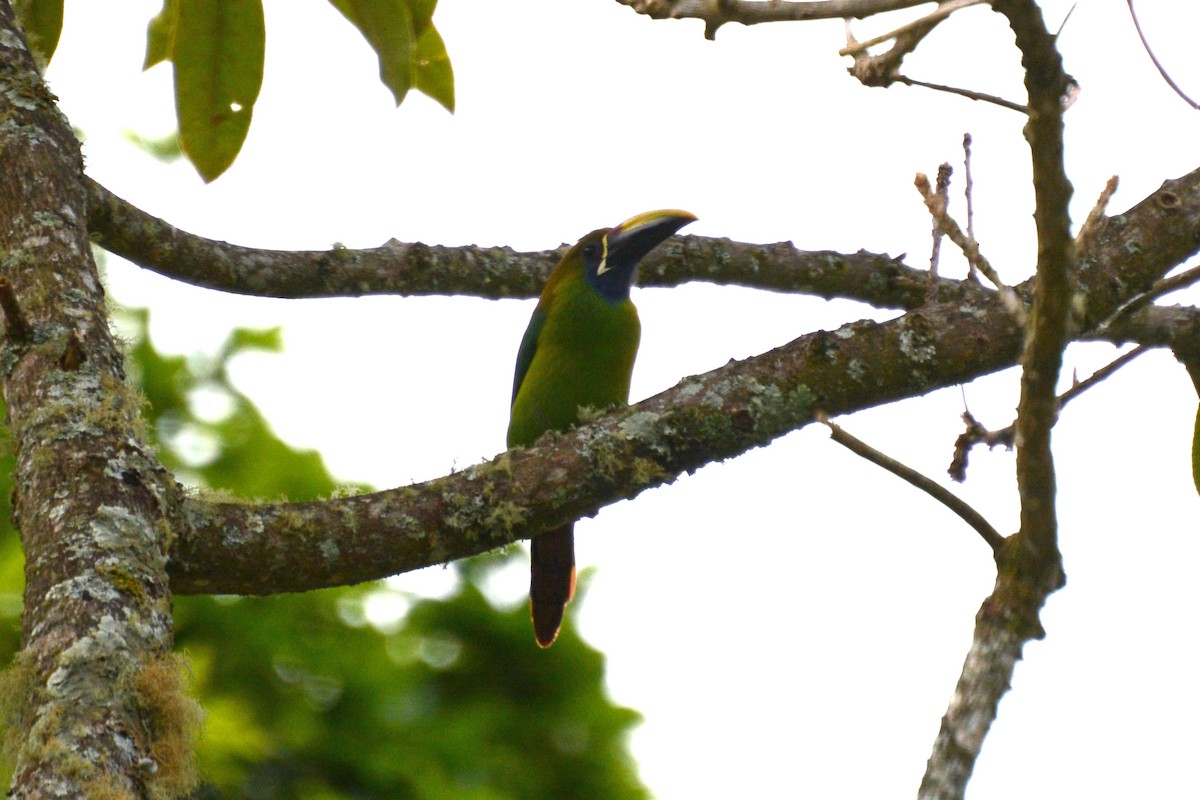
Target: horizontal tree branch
[
  {"x": 753, "y": 12},
  {"x": 235, "y": 548},
  {"x": 490, "y": 272}
]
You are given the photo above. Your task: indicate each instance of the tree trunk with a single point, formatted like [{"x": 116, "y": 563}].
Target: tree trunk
[{"x": 94, "y": 702}]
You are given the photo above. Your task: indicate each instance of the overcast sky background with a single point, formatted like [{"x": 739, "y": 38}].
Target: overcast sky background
[{"x": 791, "y": 622}]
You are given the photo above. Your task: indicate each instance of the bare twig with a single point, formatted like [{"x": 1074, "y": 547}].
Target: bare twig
[
  {"x": 968, "y": 93},
  {"x": 968, "y": 193},
  {"x": 1157, "y": 65},
  {"x": 942, "y": 200},
  {"x": 944, "y": 9},
  {"x": 1160, "y": 288},
  {"x": 906, "y": 473},
  {"x": 884, "y": 69},
  {"x": 977, "y": 434},
  {"x": 969, "y": 247},
  {"x": 1079, "y": 387},
  {"x": 1097, "y": 213}
]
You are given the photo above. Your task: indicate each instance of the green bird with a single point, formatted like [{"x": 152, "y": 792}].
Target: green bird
[{"x": 578, "y": 352}]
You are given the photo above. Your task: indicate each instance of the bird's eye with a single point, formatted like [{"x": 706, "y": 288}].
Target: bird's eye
[{"x": 590, "y": 250}]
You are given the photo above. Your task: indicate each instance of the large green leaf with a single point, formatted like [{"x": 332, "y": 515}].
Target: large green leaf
[
  {"x": 42, "y": 21},
  {"x": 411, "y": 53},
  {"x": 433, "y": 74},
  {"x": 218, "y": 48},
  {"x": 388, "y": 27}
]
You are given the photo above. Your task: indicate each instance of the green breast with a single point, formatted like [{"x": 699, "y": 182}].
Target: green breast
[{"x": 584, "y": 356}]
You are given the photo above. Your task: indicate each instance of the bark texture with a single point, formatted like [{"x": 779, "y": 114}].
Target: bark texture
[{"x": 96, "y": 688}]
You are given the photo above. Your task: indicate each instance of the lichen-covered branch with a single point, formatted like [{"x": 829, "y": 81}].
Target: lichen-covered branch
[
  {"x": 1029, "y": 564},
  {"x": 707, "y": 418},
  {"x": 95, "y": 690},
  {"x": 231, "y": 548}
]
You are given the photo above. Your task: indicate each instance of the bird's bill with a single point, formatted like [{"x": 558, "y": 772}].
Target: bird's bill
[{"x": 629, "y": 242}]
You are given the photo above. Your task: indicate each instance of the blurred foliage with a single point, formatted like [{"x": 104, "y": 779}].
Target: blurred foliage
[
  {"x": 321, "y": 696},
  {"x": 218, "y": 49}
]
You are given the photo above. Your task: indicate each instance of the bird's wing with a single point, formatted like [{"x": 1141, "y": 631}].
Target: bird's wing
[{"x": 528, "y": 347}]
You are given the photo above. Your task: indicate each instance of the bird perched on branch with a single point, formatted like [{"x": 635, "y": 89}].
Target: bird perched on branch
[{"x": 578, "y": 352}]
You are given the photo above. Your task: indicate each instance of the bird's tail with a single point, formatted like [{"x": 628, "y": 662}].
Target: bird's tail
[{"x": 551, "y": 581}]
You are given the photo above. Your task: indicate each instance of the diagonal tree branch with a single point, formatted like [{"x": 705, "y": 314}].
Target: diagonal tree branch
[
  {"x": 228, "y": 548},
  {"x": 234, "y": 548}
]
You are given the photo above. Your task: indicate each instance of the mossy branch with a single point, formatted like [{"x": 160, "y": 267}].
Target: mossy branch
[{"x": 259, "y": 549}]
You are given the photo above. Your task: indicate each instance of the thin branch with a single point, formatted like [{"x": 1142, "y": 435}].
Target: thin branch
[
  {"x": 969, "y": 247},
  {"x": 977, "y": 434},
  {"x": 1160, "y": 288},
  {"x": 943, "y": 10},
  {"x": 884, "y": 69},
  {"x": 1157, "y": 65},
  {"x": 1105, "y": 372},
  {"x": 967, "y": 93},
  {"x": 969, "y": 194},
  {"x": 906, "y": 473},
  {"x": 941, "y": 200},
  {"x": 1097, "y": 213}
]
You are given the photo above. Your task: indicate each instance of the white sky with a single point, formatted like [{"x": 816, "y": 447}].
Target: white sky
[{"x": 791, "y": 622}]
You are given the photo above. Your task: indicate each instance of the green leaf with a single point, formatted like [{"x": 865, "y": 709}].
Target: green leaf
[
  {"x": 388, "y": 27},
  {"x": 218, "y": 51},
  {"x": 42, "y": 21},
  {"x": 159, "y": 34},
  {"x": 422, "y": 14},
  {"x": 411, "y": 52},
  {"x": 434, "y": 75},
  {"x": 1196, "y": 452}
]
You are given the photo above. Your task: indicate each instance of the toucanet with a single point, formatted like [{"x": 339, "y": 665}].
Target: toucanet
[{"x": 578, "y": 352}]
